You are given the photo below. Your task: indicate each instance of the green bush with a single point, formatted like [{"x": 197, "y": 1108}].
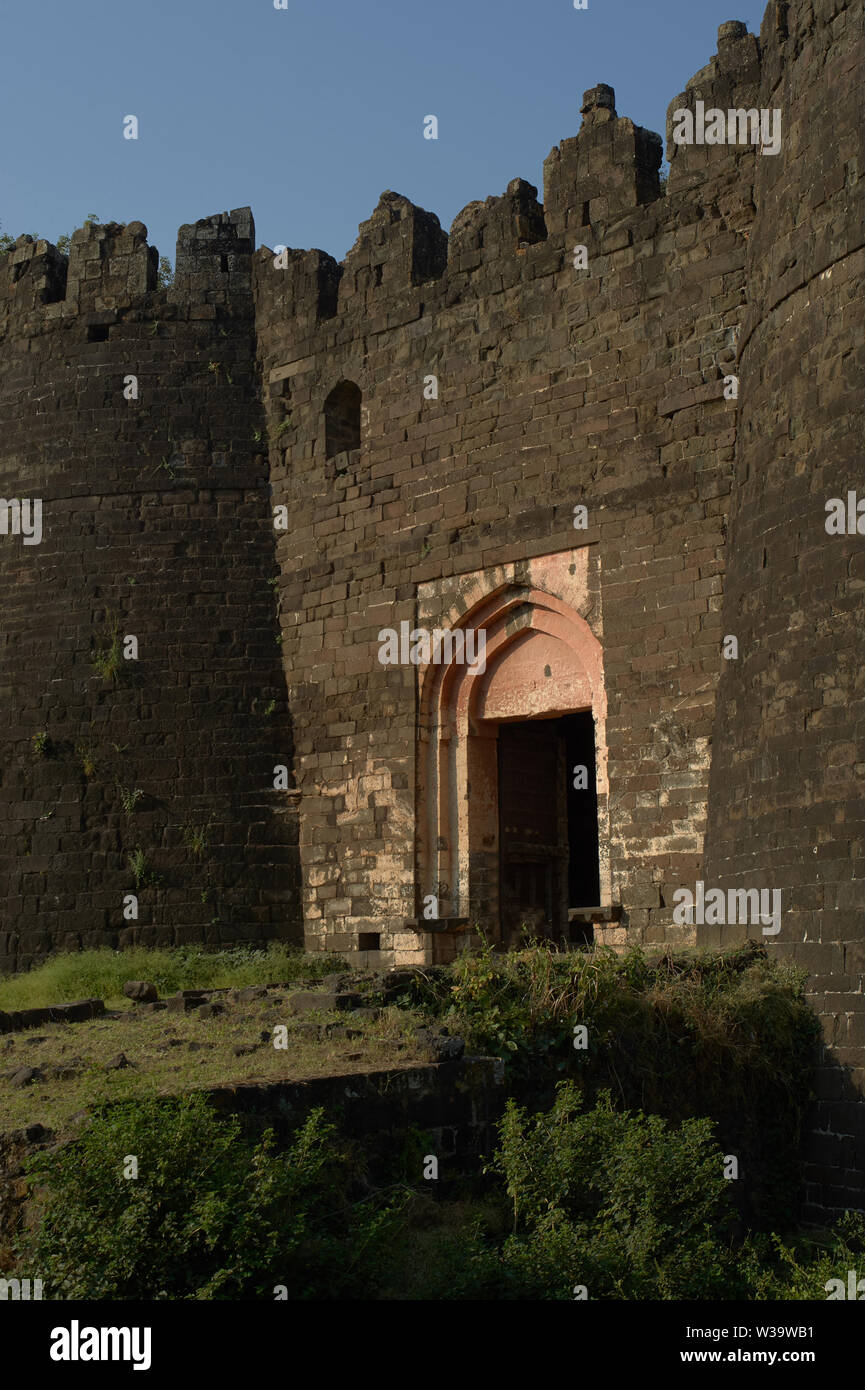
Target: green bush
[
  {"x": 209, "y": 1215},
  {"x": 622, "y": 1203},
  {"x": 625, "y": 1204},
  {"x": 725, "y": 1035},
  {"x": 800, "y": 1270}
]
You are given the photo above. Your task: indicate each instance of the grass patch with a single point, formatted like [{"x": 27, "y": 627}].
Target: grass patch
[
  {"x": 101, "y": 974},
  {"x": 129, "y": 798},
  {"x": 725, "y": 1036},
  {"x": 609, "y": 1167},
  {"x": 173, "y": 1054},
  {"x": 144, "y": 876}
]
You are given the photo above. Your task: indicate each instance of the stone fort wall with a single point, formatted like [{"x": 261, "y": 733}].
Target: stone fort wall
[
  {"x": 428, "y": 414},
  {"x": 787, "y": 795},
  {"x": 555, "y": 386},
  {"x": 156, "y": 524}
]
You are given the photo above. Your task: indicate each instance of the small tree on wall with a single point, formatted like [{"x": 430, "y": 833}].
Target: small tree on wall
[
  {"x": 64, "y": 242},
  {"x": 6, "y": 242}
]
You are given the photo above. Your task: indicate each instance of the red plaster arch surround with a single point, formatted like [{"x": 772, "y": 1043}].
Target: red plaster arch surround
[
  {"x": 500, "y": 617},
  {"x": 528, "y": 630}
]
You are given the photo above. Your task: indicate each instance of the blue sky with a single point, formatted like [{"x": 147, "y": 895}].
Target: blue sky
[{"x": 308, "y": 114}]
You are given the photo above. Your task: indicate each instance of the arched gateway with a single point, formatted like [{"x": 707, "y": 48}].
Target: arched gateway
[{"x": 512, "y": 794}]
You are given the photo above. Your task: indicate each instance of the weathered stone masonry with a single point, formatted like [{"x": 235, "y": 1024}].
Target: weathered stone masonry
[
  {"x": 555, "y": 386},
  {"x": 787, "y": 808},
  {"x": 157, "y": 524},
  {"x": 430, "y": 413}
]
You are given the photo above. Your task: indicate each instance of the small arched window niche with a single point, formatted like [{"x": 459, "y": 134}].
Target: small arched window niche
[{"x": 342, "y": 420}]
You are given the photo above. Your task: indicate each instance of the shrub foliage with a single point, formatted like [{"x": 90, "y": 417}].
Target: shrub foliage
[{"x": 210, "y": 1215}]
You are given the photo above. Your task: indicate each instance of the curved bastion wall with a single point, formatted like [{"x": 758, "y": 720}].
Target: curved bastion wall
[
  {"x": 129, "y": 416},
  {"x": 787, "y": 786}
]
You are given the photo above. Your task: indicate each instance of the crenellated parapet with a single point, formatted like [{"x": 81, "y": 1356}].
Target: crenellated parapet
[
  {"x": 214, "y": 259},
  {"x": 706, "y": 166},
  {"x": 32, "y": 275},
  {"x": 604, "y": 177},
  {"x": 400, "y": 246},
  {"x": 111, "y": 270},
  {"x": 110, "y": 267},
  {"x": 607, "y": 170},
  {"x": 496, "y": 227}
]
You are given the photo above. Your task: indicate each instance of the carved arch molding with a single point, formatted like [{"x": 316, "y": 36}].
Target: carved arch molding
[{"x": 542, "y": 660}]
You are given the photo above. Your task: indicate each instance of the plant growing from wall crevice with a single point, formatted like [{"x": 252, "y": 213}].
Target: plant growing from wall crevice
[
  {"x": 196, "y": 838},
  {"x": 144, "y": 876},
  {"x": 85, "y": 754},
  {"x": 108, "y": 659},
  {"x": 42, "y": 745},
  {"x": 129, "y": 797}
]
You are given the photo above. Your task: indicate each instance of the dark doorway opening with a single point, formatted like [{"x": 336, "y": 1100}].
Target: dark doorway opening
[
  {"x": 584, "y": 871},
  {"x": 584, "y": 866},
  {"x": 548, "y": 827},
  {"x": 533, "y": 844}
]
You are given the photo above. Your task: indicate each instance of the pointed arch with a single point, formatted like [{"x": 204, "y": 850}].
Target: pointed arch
[{"x": 541, "y": 660}]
